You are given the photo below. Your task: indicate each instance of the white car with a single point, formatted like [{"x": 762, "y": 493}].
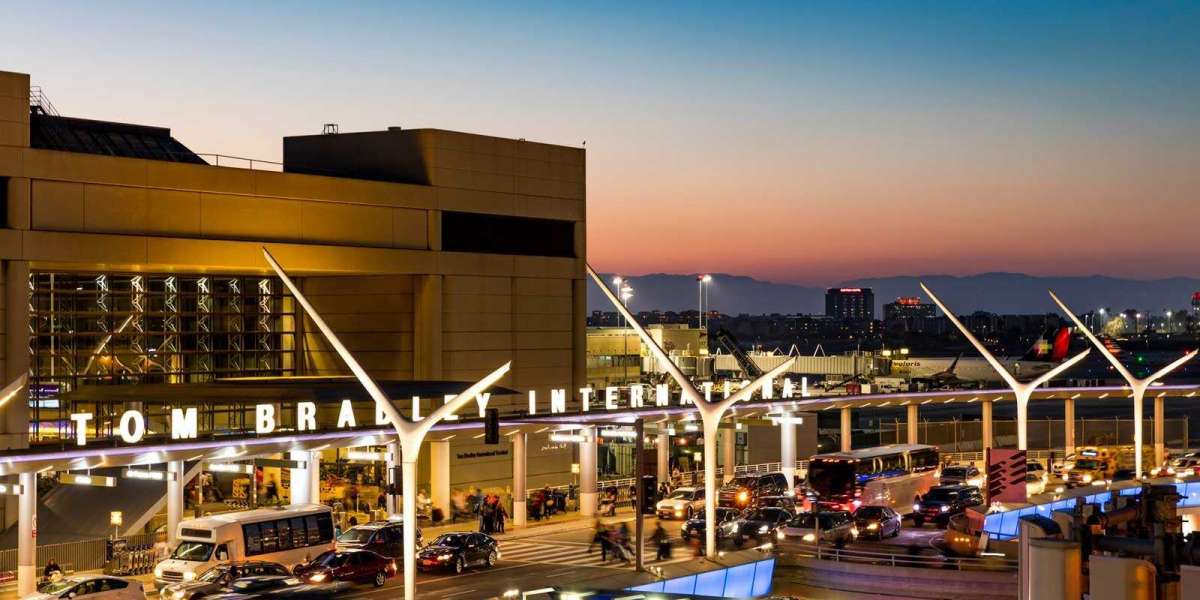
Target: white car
[
  {"x": 92, "y": 587},
  {"x": 680, "y": 504},
  {"x": 836, "y": 527}
]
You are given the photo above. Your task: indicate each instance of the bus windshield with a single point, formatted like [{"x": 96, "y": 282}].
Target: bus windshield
[
  {"x": 194, "y": 551},
  {"x": 831, "y": 478}
]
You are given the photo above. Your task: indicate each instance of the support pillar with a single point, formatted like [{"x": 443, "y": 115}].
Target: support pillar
[
  {"x": 176, "y": 471},
  {"x": 301, "y": 479},
  {"x": 1160, "y": 431},
  {"x": 587, "y": 473},
  {"x": 27, "y": 536},
  {"x": 1068, "y": 427},
  {"x": 393, "y": 477},
  {"x": 787, "y": 447},
  {"x": 987, "y": 424},
  {"x": 912, "y": 424},
  {"x": 728, "y": 453},
  {"x": 519, "y": 478},
  {"x": 663, "y": 445},
  {"x": 847, "y": 442},
  {"x": 439, "y": 475}
]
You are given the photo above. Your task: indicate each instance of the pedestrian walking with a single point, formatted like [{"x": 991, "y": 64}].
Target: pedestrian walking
[{"x": 663, "y": 539}]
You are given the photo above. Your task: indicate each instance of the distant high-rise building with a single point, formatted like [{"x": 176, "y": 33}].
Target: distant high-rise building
[
  {"x": 854, "y": 304},
  {"x": 1196, "y": 303},
  {"x": 907, "y": 307}
]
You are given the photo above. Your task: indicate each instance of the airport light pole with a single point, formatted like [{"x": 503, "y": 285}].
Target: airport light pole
[
  {"x": 1137, "y": 386},
  {"x": 1022, "y": 391},
  {"x": 411, "y": 434},
  {"x": 710, "y": 412}
]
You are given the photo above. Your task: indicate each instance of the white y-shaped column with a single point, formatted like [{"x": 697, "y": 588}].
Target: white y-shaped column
[
  {"x": 1138, "y": 386},
  {"x": 410, "y": 433},
  {"x": 710, "y": 412},
  {"x": 1023, "y": 391}
]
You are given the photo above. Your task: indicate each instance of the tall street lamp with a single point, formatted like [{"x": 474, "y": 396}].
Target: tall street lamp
[
  {"x": 701, "y": 280},
  {"x": 1138, "y": 386},
  {"x": 411, "y": 434},
  {"x": 710, "y": 411},
  {"x": 1022, "y": 391}
]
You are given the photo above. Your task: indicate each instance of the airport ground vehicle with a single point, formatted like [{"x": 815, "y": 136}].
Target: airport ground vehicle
[
  {"x": 457, "y": 551},
  {"x": 741, "y": 491},
  {"x": 97, "y": 587},
  {"x": 694, "y": 527},
  {"x": 945, "y": 501},
  {"x": 964, "y": 474},
  {"x": 891, "y": 476},
  {"x": 758, "y": 524},
  {"x": 877, "y": 522},
  {"x": 352, "y": 566},
  {"x": 218, "y": 579},
  {"x": 285, "y": 535},
  {"x": 682, "y": 503},
  {"x": 381, "y": 537},
  {"x": 834, "y": 527}
]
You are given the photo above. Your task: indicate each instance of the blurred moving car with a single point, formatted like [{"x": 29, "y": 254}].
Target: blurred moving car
[
  {"x": 217, "y": 579},
  {"x": 741, "y": 491},
  {"x": 1034, "y": 484},
  {"x": 354, "y": 566},
  {"x": 682, "y": 503},
  {"x": 457, "y": 551},
  {"x": 964, "y": 474},
  {"x": 1124, "y": 475},
  {"x": 98, "y": 587},
  {"x": 264, "y": 587},
  {"x": 836, "y": 527},
  {"x": 758, "y": 524},
  {"x": 877, "y": 522},
  {"x": 1184, "y": 466},
  {"x": 694, "y": 527},
  {"x": 943, "y": 502},
  {"x": 385, "y": 538}
]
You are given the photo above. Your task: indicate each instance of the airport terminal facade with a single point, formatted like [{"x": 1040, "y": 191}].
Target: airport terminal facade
[{"x": 127, "y": 260}]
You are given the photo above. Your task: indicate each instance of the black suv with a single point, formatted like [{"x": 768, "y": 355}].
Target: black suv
[
  {"x": 945, "y": 501},
  {"x": 385, "y": 538},
  {"x": 742, "y": 491}
]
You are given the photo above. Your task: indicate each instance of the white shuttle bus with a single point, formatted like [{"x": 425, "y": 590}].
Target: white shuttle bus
[{"x": 287, "y": 535}]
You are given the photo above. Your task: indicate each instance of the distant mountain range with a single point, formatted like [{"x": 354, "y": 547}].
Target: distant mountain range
[{"x": 1004, "y": 293}]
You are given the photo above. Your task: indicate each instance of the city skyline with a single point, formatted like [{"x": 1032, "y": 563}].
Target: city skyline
[{"x": 1023, "y": 137}]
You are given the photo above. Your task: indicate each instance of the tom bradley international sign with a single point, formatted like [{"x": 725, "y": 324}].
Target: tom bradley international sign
[{"x": 131, "y": 426}]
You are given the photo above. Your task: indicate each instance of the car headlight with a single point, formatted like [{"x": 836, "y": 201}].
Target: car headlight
[
  {"x": 178, "y": 595},
  {"x": 779, "y": 535},
  {"x": 158, "y": 572},
  {"x": 445, "y": 557},
  {"x": 189, "y": 575},
  {"x": 808, "y": 537},
  {"x": 872, "y": 526},
  {"x": 1170, "y": 470},
  {"x": 763, "y": 529},
  {"x": 318, "y": 577},
  {"x": 916, "y": 507},
  {"x": 945, "y": 508},
  {"x": 743, "y": 496},
  {"x": 853, "y": 532},
  {"x": 1087, "y": 478},
  {"x": 678, "y": 513}
]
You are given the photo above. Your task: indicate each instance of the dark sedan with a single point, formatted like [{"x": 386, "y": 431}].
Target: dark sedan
[
  {"x": 353, "y": 566},
  {"x": 758, "y": 524},
  {"x": 877, "y": 522},
  {"x": 694, "y": 527},
  {"x": 457, "y": 551},
  {"x": 219, "y": 578},
  {"x": 268, "y": 587},
  {"x": 945, "y": 501}
]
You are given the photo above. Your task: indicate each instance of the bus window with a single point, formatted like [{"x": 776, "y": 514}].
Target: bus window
[
  {"x": 325, "y": 526},
  {"x": 253, "y": 539},
  {"x": 299, "y": 535},
  {"x": 284, "y": 531},
  {"x": 314, "y": 532},
  {"x": 268, "y": 536},
  {"x": 831, "y": 478}
]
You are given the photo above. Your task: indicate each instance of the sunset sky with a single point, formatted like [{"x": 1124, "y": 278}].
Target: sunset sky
[{"x": 794, "y": 142}]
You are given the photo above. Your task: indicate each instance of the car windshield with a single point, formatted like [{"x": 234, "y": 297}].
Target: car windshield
[
  {"x": 740, "y": 482},
  {"x": 332, "y": 559},
  {"x": 454, "y": 540},
  {"x": 954, "y": 472},
  {"x": 869, "y": 512},
  {"x": 1088, "y": 464},
  {"x": 806, "y": 521},
  {"x": 58, "y": 586},
  {"x": 941, "y": 494},
  {"x": 193, "y": 551},
  {"x": 762, "y": 515},
  {"x": 681, "y": 494},
  {"x": 213, "y": 574},
  {"x": 356, "y": 536}
]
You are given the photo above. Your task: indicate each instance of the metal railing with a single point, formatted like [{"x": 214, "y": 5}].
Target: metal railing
[
  {"x": 919, "y": 561},
  {"x": 85, "y": 555},
  {"x": 38, "y": 100},
  {"x": 240, "y": 162}
]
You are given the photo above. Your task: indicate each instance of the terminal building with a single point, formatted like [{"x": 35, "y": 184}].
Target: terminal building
[{"x": 128, "y": 262}]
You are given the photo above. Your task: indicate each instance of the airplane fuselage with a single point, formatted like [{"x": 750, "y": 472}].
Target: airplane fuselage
[{"x": 968, "y": 369}]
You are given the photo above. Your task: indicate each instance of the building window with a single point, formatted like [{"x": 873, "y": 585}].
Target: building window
[{"x": 495, "y": 234}]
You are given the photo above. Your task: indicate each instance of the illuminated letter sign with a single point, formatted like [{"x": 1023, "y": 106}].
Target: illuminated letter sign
[
  {"x": 635, "y": 396},
  {"x": 532, "y": 402},
  {"x": 132, "y": 427},
  {"x": 586, "y": 395},
  {"x": 558, "y": 401},
  {"x": 482, "y": 401},
  {"x": 662, "y": 395},
  {"x": 306, "y": 416},
  {"x": 610, "y": 398},
  {"x": 183, "y": 424},
  {"x": 346, "y": 415},
  {"x": 81, "y": 420},
  {"x": 264, "y": 418}
]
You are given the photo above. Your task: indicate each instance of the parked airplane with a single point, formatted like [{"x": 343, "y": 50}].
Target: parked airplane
[{"x": 937, "y": 372}]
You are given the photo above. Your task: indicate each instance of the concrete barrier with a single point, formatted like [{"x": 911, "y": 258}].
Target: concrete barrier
[{"x": 887, "y": 582}]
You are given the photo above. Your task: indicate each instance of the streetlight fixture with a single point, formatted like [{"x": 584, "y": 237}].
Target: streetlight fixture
[
  {"x": 1022, "y": 391},
  {"x": 411, "y": 434},
  {"x": 1138, "y": 386},
  {"x": 710, "y": 412},
  {"x": 701, "y": 280}
]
